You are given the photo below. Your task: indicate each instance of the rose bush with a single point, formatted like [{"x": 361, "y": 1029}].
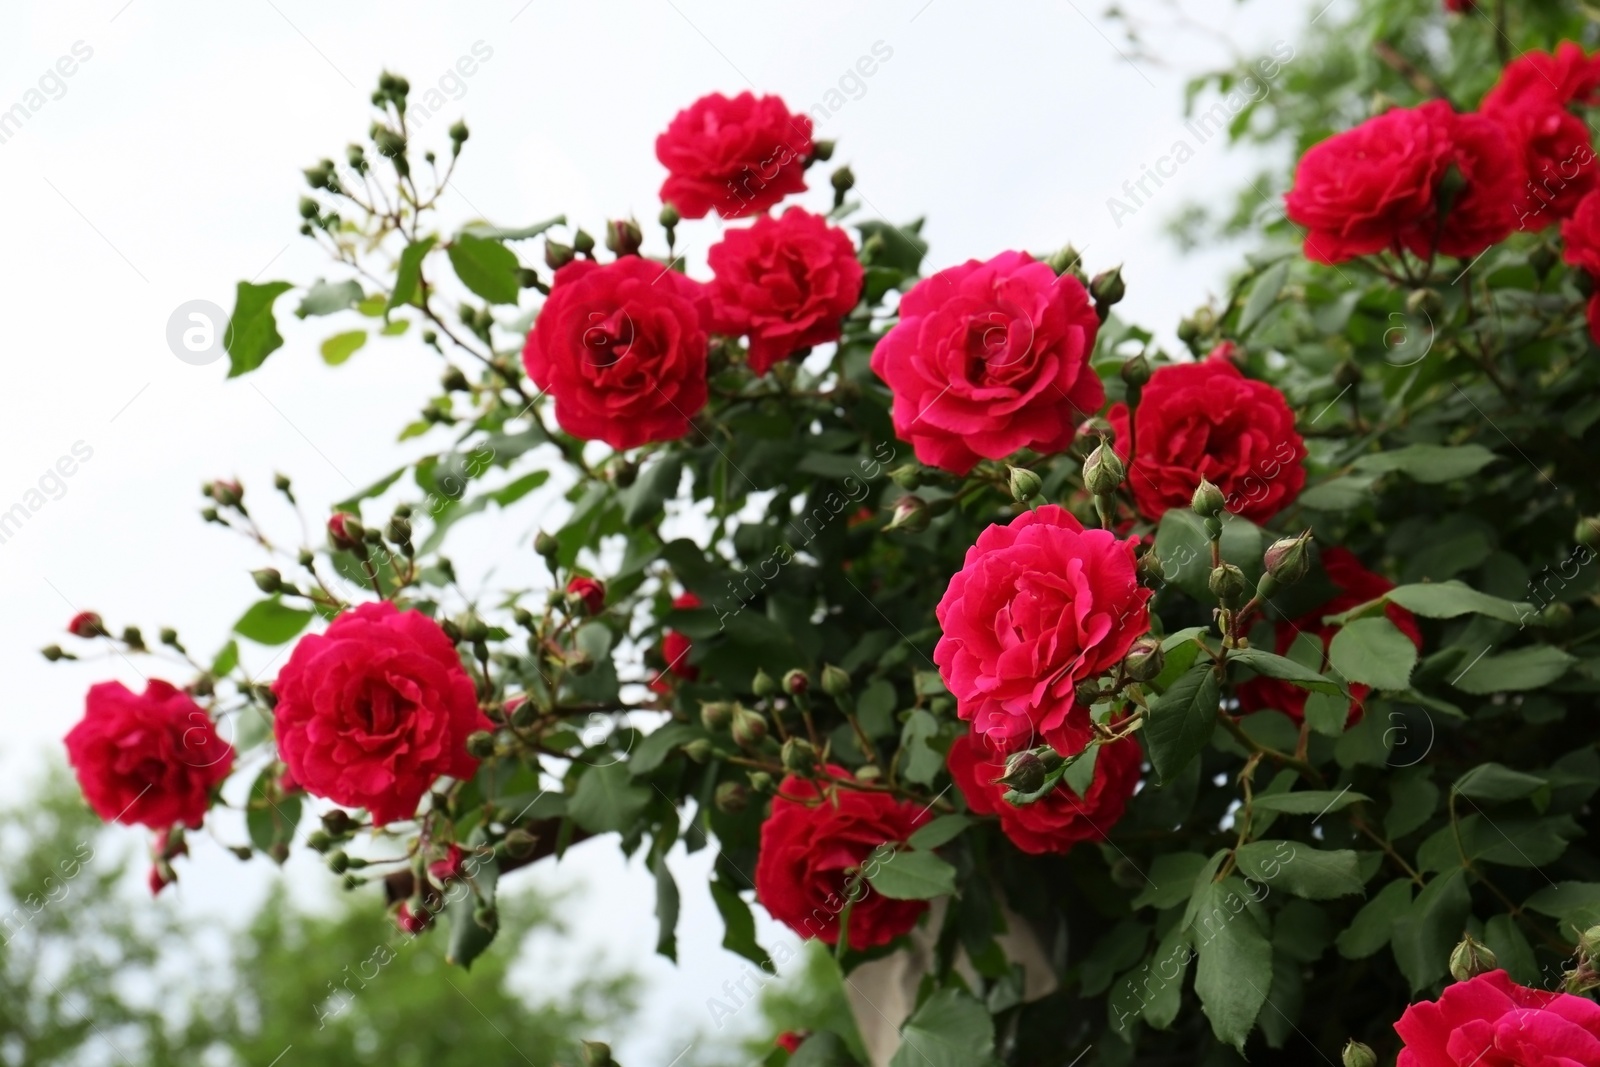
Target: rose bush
[{"x": 1136, "y": 703}]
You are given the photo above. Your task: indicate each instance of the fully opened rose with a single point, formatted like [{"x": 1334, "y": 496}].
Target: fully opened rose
[
  {"x": 622, "y": 349},
  {"x": 988, "y": 358},
  {"x": 1491, "y": 1021},
  {"x": 817, "y": 852},
  {"x": 375, "y": 710},
  {"x": 1208, "y": 420},
  {"x": 1039, "y": 605},
  {"x": 733, "y": 156},
  {"x": 151, "y": 758}
]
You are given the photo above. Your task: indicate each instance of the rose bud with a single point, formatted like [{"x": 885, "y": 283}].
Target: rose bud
[
  {"x": 835, "y": 681},
  {"x": 1228, "y": 585},
  {"x": 480, "y": 744},
  {"x": 716, "y": 715},
  {"x": 229, "y": 494},
  {"x": 1587, "y": 532},
  {"x": 669, "y": 217},
  {"x": 623, "y": 237},
  {"x": 796, "y": 682},
  {"x": 345, "y": 531},
  {"x": 1208, "y": 500},
  {"x": 556, "y": 254},
  {"x": 910, "y": 514},
  {"x": 1103, "y": 471},
  {"x": 590, "y": 592},
  {"x": 597, "y": 1054},
  {"x": 798, "y": 756},
  {"x": 1087, "y": 692},
  {"x": 448, "y": 868},
  {"x": 86, "y": 624},
  {"x": 1136, "y": 372},
  {"x": 1025, "y": 772},
  {"x": 1025, "y": 484},
  {"x": 762, "y": 684},
  {"x": 268, "y": 580},
  {"x": 546, "y": 545},
  {"x": 698, "y": 750},
  {"x": 1288, "y": 560},
  {"x": 1144, "y": 659},
  {"x": 412, "y": 922},
  {"x": 732, "y": 797},
  {"x": 748, "y": 727},
  {"x": 161, "y": 876},
  {"x": 1358, "y": 1055},
  {"x": 761, "y": 782},
  {"x": 1108, "y": 288},
  {"x": 1470, "y": 959},
  {"x": 582, "y": 243}
]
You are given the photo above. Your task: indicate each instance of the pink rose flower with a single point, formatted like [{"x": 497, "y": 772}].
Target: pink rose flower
[{"x": 1490, "y": 1021}]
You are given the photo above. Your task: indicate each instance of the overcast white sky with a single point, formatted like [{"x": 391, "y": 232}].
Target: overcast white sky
[{"x": 167, "y": 167}]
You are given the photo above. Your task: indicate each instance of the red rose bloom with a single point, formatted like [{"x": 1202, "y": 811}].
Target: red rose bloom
[
  {"x": 1556, "y": 153},
  {"x": 675, "y": 649},
  {"x": 1567, "y": 77},
  {"x": 1059, "y": 820},
  {"x": 591, "y": 591},
  {"x": 1039, "y": 605},
  {"x": 1580, "y": 238},
  {"x": 736, "y": 157},
  {"x": 376, "y": 709},
  {"x": 1207, "y": 419},
  {"x": 1356, "y": 585},
  {"x": 1490, "y": 1021},
  {"x": 1376, "y": 187},
  {"x": 988, "y": 358},
  {"x": 622, "y": 348},
  {"x": 785, "y": 283},
  {"x": 150, "y": 758},
  {"x": 811, "y": 850}
]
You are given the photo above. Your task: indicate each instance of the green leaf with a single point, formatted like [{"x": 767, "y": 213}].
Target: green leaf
[
  {"x": 1265, "y": 663},
  {"x": 408, "y": 274},
  {"x": 739, "y": 926},
  {"x": 607, "y": 798},
  {"x": 271, "y": 824},
  {"x": 486, "y": 267},
  {"x": 395, "y": 327},
  {"x": 1235, "y": 970},
  {"x": 1510, "y": 946},
  {"x": 341, "y": 346},
  {"x": 902, "y": 874},
  {"x": 326, "y": 298},
  {"x": 1497, "y": 782},
  {"x": 1161, "y": 1009},
  {"x": 667, "y": 903},
  {"x": 899, "y": 247},
  {"x": 1328, "y": 713},
  {"x": 1338, "y": 494},
  {"x": 1172, "y": 876},
  {"x": 949, "y": 1030},
  {"x": 1181, "y": 721},
  {"x": 1373, "y": 925},
  {"x": 1514, "y": 671},
  {"x": 252, "y": 334},
  {"x": 270, "y": 622},
  {"x": 1440, "y": 600},
  {"x": 1429, "y": 464},
  {"x": 377, "y": 488},
  {"x": 1413, "y": 799},
  {"x": 468, "y": 939},
  {"x": 226, "y": 660},
  {"x": 1263, "y": 294},
  {"x": 921, "y": 762},
  {"x": 643, "y": 500},
  {"x": 512, "y": 492},
  {"x": 500, "y": 233},
  {"x": 1309, "y": 802},
  {"x": 823, "y": 1048},
  {"x": 940, "y": 831},
  {"x": 1302, "y": 870},
  {"x": 1430, "y": 928},
  {"x": 660, "y": 743},
  {"x": 1373, "y": 652}
]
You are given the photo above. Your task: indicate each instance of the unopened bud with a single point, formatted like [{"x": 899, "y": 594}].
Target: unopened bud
[
  {"x": 86, "y": 624},
  {"x": 796, "y": 682},
  {"x": 749, "y": 728},
  {"x": 54, "y": 653},
  {"x": 268, "y": 580},
  {"x": 798, "y": 756},
  {"x": 133, "y": 638},
  {"x": 910, "y": 515},
  {"x": 732, "y": 797},
  {"x": 1144, "y": 659},
  {"x": 761, "y": 782},
  {"x": 229, "y": 494},
  {"x": 546, "y": 544},
  {"x": 669, "y": 217},
  {"x": 520, "y": 843},
  {"x": 1208, "y": 500},
  {"x": 1087, "y": 692},
  {"x": 835, "y": 681},
  {"x": 557, "y": 255},
  {"x": 1108, "y": 288},
  {"x": 597, "y": 1054},
  {"x": 1136, "y": 372},
  {"x": 907, "y": 476},
  {"x": 698, "y": 750},
  {"x": 844, "y": 179},
  {"x": 763, "y": 685},
  {"x": 1103, "y": 471},
  {"x": 1288, "y": 559},
  {"x": 1358, "y": 1055},
  {"x": 345, "y": 531},
  {"x": 1067, "y": 261},
  {"x": 582, "y": 243},
  {"x": 623, "y": 237},
  {"x": 1025, "y": 484},
  {"x": 822, "y": 151},
  {"x": 1470, "y": 959},
  {"x": 716, "y": 715},
  {"x": 1587, "y": 532},
  {"x": 1426, "y": 302},
  {"x": 1025, "y": 772},
  {"x": 480, "y": 744},
  {"x": 1228, "y": 585},
  {"x": 337, "y": 821}
]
